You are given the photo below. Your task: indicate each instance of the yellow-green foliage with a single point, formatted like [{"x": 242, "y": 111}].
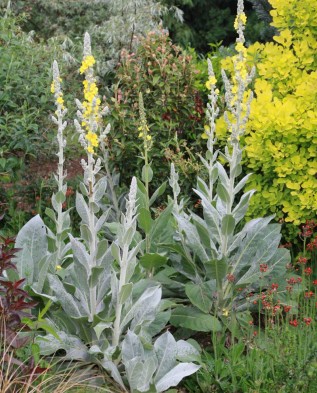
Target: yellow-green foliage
[{"x": 281, "y": 136}]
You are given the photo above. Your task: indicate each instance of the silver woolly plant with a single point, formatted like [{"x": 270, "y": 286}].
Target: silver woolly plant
[
  {"x": 45, "y": 249},
  {"x": 223, "y": 261},
  {"x": 60, "y": 218},
  {"x": 109, "y": 312}
]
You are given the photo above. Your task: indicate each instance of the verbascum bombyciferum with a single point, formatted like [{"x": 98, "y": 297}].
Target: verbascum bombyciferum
[{"x": 280, "y": 140}]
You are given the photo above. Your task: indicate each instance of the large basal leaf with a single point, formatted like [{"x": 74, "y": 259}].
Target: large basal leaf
[
  {"x": 144, "y": 309},
  {"x": 194, "y": 319},
  {"x": 72, "y": 345},
  {"x": 33, "y": 242},
  {"x": 70, "y": 306},
  {"x": 186, "y": 352},
  {"x": 166, "y": 351},
  {"x": 131, "y": 347},
  {"x": 113, "y": 369},
  {"x": 176, "y": 375},
  {"x": 200, "y": 296}
]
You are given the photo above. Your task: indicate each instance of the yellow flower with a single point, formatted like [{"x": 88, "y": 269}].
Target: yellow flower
[
  {"x": 241, "y": 48},
  {"x": 88, "y": 62},
  {"x": 90, "y": 150},
  {"x": 140, "y": 134},
  {"x": 148, "y": 137},
  {"x": 52, "y": 88},
  {"x": 58, "y": 267},
  {"x": 211, "y": 82},
  {"x": 60, "y": 100}
]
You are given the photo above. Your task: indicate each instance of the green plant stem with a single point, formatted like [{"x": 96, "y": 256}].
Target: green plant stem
[{"x": 146, "y": 181}]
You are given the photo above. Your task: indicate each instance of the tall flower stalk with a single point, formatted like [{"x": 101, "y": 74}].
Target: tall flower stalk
[
  {"x": 62, "y": 219},
  {"x": 88, "y": 127},
  {"x": 147, "y": 173},
  {"x": 238, "y": 101},
  {"x": 123, "y": 245}
]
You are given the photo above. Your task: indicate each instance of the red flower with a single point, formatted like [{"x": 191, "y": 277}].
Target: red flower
[
  {"x": 302, "y": 260},
  {"x": 315, "y": 282},
  {"x": 263, "y": 267},
  {"x": 287, "y": 308},
  {"x": 294, "y": 322},
  {"x": 308, "y": 271},
  {"x": 274, "y": 287},
  {"x": 309, "y": 294},
  {"x": 307, "y": 321}
]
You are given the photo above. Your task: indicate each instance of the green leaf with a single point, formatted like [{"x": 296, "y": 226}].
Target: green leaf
[
  {"x": 125, "y": 292},
  {"x": 156, "y": 78},
  {"x": 159, "y": 225},
  {"x": 60, "y": 197},
  {"x": 141, "y": 195},
  {"x": 200, "y": 296},
  {"x": 147, "y": 173},
  {"x": 100, "y": 189},
  {"x": 150, "y": 261},
  {"x": 82, "y": 208},
  {"x": 223, "y": 193},
  {"x": 51, "y": 214},
  {"x": 145, "y": 221},
  {"x": 83, "y": 189},
  {"x": 96, "y": 272},
  {"x": 228, "y": 224},
  {"x": 100, "y": 327},
  {"x": 160, "y": 191},
  {"x": 32, "y": 240},
  {"x": 217, "y": 269},
  {"x": 194, "y": 319}
]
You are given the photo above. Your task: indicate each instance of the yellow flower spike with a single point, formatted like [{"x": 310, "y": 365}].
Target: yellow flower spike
[{"x": 88, "y": 62}]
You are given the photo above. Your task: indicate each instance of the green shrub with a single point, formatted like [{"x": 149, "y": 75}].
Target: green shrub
[{"x": 165, "y": 74}]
